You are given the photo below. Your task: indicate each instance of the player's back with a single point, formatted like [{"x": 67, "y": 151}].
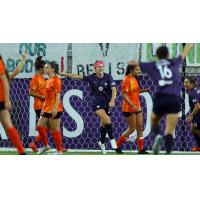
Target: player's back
[{"x": 165, "y": 74}]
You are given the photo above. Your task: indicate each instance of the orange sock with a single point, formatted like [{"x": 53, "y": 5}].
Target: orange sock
[
  {"x": 57, "y": 140},
  {"x": 43, "y": 135},
  {"x": 38, "y": 138},
  {"x": 121, "y": 140},
  {"x": 140, "y": 144},
  {"x": 14, "y": 137}
]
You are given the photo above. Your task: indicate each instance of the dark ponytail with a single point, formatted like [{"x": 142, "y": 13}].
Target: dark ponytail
[{"x": 39, "y": 63}]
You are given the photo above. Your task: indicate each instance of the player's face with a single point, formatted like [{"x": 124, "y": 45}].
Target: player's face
[
  {"x": 47, "y": 69},
  {"x": 187, "y": 84},
  {"x": 136, "y": 71},
  {"x": 100, "y": 69}
]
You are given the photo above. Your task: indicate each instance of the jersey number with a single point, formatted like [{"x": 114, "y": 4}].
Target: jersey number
[{"x": 165, "y": 73}]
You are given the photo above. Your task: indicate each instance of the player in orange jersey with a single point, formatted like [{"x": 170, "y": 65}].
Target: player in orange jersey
[
  {"x": 131, "y": 107},
  {"x": 52, "y": 107},
  {"x": 37, "y": 90},
  {"x": 5, "y": 107}
]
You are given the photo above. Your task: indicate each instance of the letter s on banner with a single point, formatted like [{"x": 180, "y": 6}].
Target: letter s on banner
[{"x": 73, "y": 114}]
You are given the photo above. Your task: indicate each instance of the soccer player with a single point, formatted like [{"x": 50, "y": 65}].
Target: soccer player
[
  {"x": 52, "y": 107},
  {"x": 103, "y": 99},
  {"x": 37, "y": 90},
  {"x": 5, "y": 107},
  {"x": 167, "y": 98},
  {"x": 131, "y": 107},
  {"x": 194, "y": 101}
]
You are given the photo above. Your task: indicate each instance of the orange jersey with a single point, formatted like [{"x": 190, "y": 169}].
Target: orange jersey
[
  {"x": 37, "y": 85},
  {"x": 2, "y": 71},
  {"x": 131, "y": 87},
  {"x": 52, "y": 87}
]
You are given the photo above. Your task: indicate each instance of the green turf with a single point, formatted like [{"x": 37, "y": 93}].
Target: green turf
[{"x": 98, "y": 153}]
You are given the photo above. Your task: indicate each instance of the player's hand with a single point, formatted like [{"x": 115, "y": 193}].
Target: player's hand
[
  {"x": 8, "y": 105},
  {"x": 54, "y": 113},
  {"x": 189, "y": 119},
  {"x": 112, "y": 103},
  {"x": 42, "y": 97}
]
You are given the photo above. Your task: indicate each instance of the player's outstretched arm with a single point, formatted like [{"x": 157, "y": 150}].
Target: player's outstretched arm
[
  {"x": 186, "y": 50},
  {"x": 73, "y": 76},
  {"x": 19, "y": 67},
  {"x": 54, "y": 112}
]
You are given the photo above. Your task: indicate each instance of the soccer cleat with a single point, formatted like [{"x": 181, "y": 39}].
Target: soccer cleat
[
  {"x": 143, "y": 152},
  {"x": 43, "y": 149},
  {"x": 196, "y": 149},
  {"x": 102, "y": 147},
  {"x": 33, "y": 146},
  {"x": 64, "y": 150},
  {"x": 119, "y": 151},
  {"x": 113, "y": 144},
  {"x": 157, "y": 144}
]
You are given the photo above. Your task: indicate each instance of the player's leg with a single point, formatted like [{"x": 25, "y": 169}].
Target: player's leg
[
  {"x": 155, "y": 120},
  {"x": 140, "y": 139},
  {"x": 11, "y": 131},
  {"x": 131, "y": 122},
  {"x": 171, "y": 122},
  {"x": 105, "y": 127},
  {"x": 42, "y": 129},
  {"x": 56, "y": 134},
  {"x": 195, "y": 131},
  {"x": 34, "y": 145}
]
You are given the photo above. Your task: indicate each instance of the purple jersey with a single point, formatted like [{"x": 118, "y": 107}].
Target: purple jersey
[
  {"x": 164, "y": 73},
  {"x": 100, "y": 87},
  {"x": 194, "y": 97}
]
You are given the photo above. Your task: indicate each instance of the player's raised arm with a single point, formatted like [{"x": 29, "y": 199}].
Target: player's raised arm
[
  {"x": 73, "y": 76},
  {"x": 19, "y": 67},
  {"x": 186, "y": 50}
]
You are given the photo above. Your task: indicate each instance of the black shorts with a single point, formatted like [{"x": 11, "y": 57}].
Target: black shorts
[
  {"x": 166, "y": 104},
  {"x": 49, "y": 115},
  {"x": 128, "y": 114},
  {"x": 2, "y": 105},
  {"x": 102, "y": 106},
  {"x": 38, "y": 113}
]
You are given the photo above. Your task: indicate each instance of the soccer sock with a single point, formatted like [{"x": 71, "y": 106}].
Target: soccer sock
[
  {"x": 140, "y": 143},
  {"x": 13, "y": 135},
  {"x": 43, "y": 135},
  {"x": 38, "y": 139},
  {"x": 109, "y": 131},
  {"x": 169, "y": 143},
  {"x": 197, "y": 139},
  {"x": 57, "y": 140},
  {"x": 120, "y": 141},
  {"x": 155, "y": 130},
  {"x": 103, "y": 134}
]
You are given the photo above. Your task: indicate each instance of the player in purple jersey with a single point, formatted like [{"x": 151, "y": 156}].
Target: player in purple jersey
[
  {"x": 193, "y": 92},
  {"x": 104, "y": 92},
  {"x": 167, "y": 98}
]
